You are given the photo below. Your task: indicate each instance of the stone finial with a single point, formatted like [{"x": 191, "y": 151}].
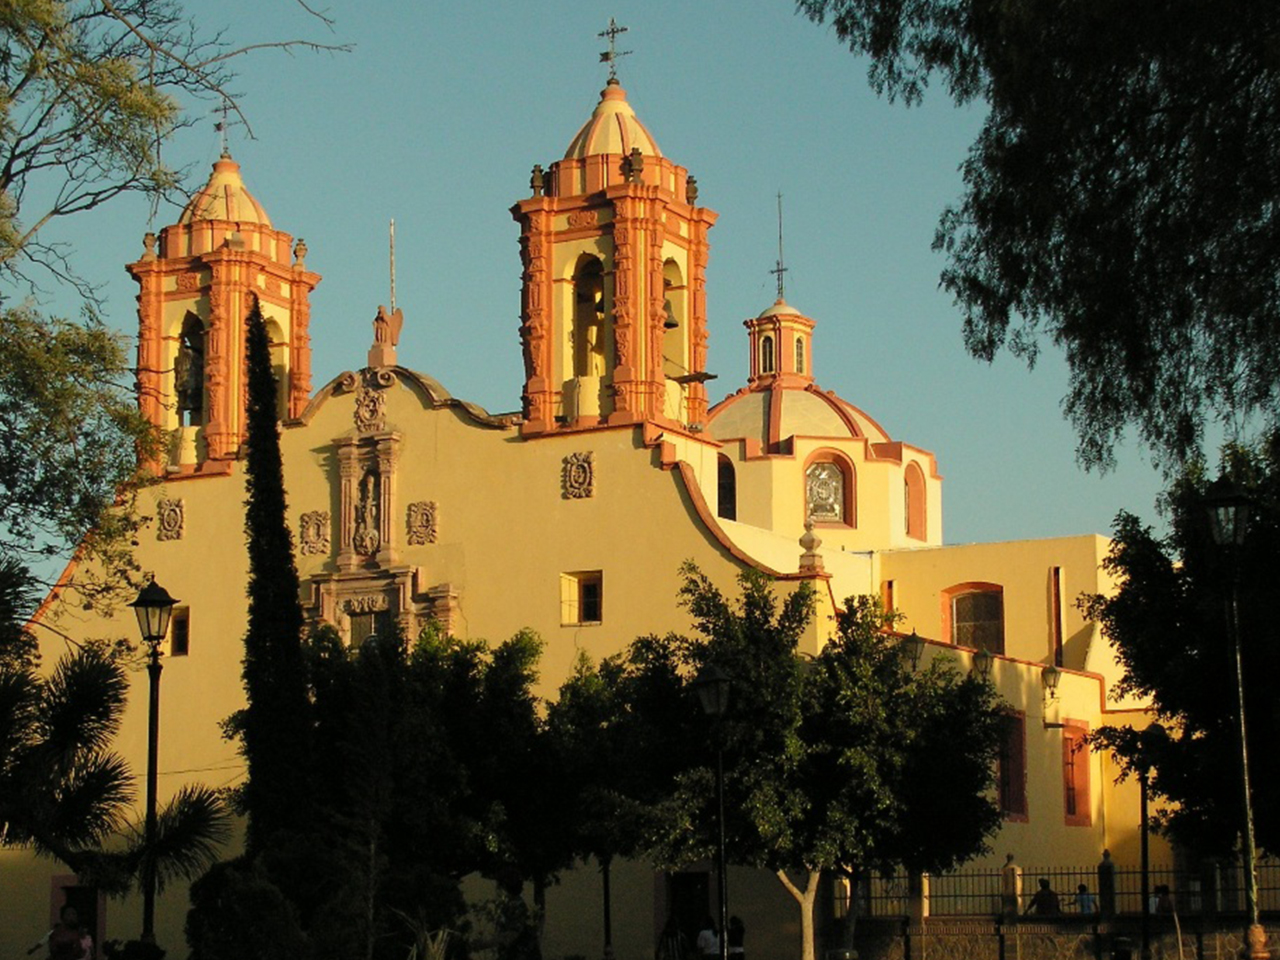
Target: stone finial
[
  {"x": 635, "y": 165},
  {"x": 811, "y": 559},
  {"x": 537, "y": 180},
  {"x": 386, "y": 335},
  {"x": 691, "y": 191},
  {"x": 149, "y": 246},
  {"x": 300, "y": 254}
]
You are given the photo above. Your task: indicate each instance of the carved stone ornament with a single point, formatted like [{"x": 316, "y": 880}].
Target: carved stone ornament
[
  {"x": 170, "y": 516},
  {"x": 188, "y": 282},
  {"x": 422, "y": 522},
  {"x": 313, "y": 533},
  {"x": 371, "y": 603},
  {"x": 584, "y": 218},
  {"x": 371, "y": 409},
  {"x": 579, "y": 476}
]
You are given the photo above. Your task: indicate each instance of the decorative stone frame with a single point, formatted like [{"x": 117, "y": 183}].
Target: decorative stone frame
[
  {"x": 402, "y": 592},
  {"x": 367, "y": 495}
]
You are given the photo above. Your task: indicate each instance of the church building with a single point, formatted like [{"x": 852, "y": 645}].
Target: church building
[{"x": 573, "y": 513}]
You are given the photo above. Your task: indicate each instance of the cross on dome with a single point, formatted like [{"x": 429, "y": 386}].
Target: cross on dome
[{"x": 611, "y": 55}]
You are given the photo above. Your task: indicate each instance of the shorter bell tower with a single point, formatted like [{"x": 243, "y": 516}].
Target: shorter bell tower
[
  {"x": 198, "y": 281},
  {"x": 614, "y": 248}
]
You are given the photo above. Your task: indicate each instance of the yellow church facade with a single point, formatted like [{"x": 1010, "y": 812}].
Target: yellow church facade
[{"x": 573, "y": 514}]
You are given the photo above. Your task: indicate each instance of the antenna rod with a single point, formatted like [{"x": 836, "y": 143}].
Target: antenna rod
[{"x": 393, "y": 264}]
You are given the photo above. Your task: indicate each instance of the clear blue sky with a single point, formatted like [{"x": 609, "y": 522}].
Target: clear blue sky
[{"x": 437, "y": 116}]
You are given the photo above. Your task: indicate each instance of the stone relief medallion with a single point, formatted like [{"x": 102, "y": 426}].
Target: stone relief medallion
[
  {"x": 170, "y": 516},
  {"x": 371, "y": 410},
  {"x": 313, "y": 532},
  {"x": 583, "y": 218},
  {"x": 579, "y": 476},
  {"x": 422, "y": 522},
  {"x": 188, "y": 282},
  {"x": 272, "y": 285}
]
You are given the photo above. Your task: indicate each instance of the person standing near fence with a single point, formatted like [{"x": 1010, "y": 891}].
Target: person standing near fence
[
  {"x": 1085, "y": 901},
  {"x": 1044, "y": 903}
]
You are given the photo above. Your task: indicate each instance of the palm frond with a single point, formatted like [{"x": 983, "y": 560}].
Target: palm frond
[
  {"x": 190, "y": 829},
  {"x": 82, "y": 704}
]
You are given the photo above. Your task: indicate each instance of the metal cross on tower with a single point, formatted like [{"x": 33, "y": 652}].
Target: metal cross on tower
[
  {"x": 221, "y": 126},
  {"x": 779, "y": 269},
  {"x": 611, "y": 55}
]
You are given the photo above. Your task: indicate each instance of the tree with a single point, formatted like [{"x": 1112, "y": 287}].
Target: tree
[
  {"x": 65, "y": 794},
  {"x": 832, "y": 762},
  {"x": 1169, "y": 623},
  {"x": 70, "y": 434},
  {"x": 89, "y": 92},
  {"x": 1121, "y": 198},
  {"x": 276, "y": 725}
]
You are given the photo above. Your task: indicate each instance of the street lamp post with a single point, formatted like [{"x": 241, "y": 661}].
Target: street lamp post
[
  {"x": 1228, "y": 509},
  {"x": 153, "y": 607},
  {"x": 712, "y": 685}
]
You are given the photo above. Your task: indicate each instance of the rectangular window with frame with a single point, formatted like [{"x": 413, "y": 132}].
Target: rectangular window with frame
[
  {"x": 1077, "y": 806},
  {"x": 180, "y": 632},
  {"x": 581, "y": 597},
  {"x": 1011, "y": 767},
  {"x": 366, "y": 625}
]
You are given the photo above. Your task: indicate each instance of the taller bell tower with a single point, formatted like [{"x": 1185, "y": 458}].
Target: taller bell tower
[
  {"x": 198, "y": 281},
  {"x": 614, "y": 248}
]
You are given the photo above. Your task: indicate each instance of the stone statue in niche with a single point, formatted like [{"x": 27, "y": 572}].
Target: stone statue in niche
[
  {"x": 365, "y": 537},
  {"x": 188, "y": 372}
]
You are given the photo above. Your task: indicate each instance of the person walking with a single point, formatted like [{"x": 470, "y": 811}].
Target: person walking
[
  {"x": 1085, "y": 901},
  {"x": 708, "y": 943}
]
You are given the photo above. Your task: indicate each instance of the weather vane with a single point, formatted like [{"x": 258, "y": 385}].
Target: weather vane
[
  {"x": 611, "y": 55},
  {"x": 779, "y": 270}
]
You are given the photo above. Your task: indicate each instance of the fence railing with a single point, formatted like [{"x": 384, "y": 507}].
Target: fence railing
[{"x": 965, "y": 892}]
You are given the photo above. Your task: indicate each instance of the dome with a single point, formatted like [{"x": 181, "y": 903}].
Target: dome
[
  {"x": 224, "y": 197},
  {"x": 799, "y": 412},
  {"x": 612, "y": 129},
  {"x": 780, "y": 308}
]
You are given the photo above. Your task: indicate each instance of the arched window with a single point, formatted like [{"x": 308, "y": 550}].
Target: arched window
[
  {"x": 829, "y": 492},
  {"x": 675, "y": 329},
  {"x": 974, "y": 613},
  {"x": 766, "y": 354},
  {"x": 588, "y": 319},
  {"x": 799, "y": 354},
  {"x": 914, "y": 497},
  {"x": 727, "y": 484},
  {"x": 188, "y": 371}
]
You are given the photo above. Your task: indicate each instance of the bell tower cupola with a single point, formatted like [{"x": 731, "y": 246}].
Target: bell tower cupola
[
  {"x": 198, "y": 281},
  {"x": 781, "y": 343},
  {"x": 614, "y": 249}
]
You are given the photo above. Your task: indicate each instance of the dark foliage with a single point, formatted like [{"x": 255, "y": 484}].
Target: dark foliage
[
  {"x": 276, "y": 726},
  {"x": 1121, "y": 199},
  {"x": 1170, "y": 625}
]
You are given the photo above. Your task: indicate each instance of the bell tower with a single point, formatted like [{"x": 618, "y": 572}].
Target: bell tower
[
  {"x": 614, "y": 249},
  {"x": 198, "y": 281}
]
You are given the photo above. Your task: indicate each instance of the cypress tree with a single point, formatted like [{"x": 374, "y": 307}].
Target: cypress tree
[{"x": 276, "y": 724}]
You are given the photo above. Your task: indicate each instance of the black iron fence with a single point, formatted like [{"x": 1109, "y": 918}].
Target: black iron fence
[{"x": 1220, "y": 889}]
